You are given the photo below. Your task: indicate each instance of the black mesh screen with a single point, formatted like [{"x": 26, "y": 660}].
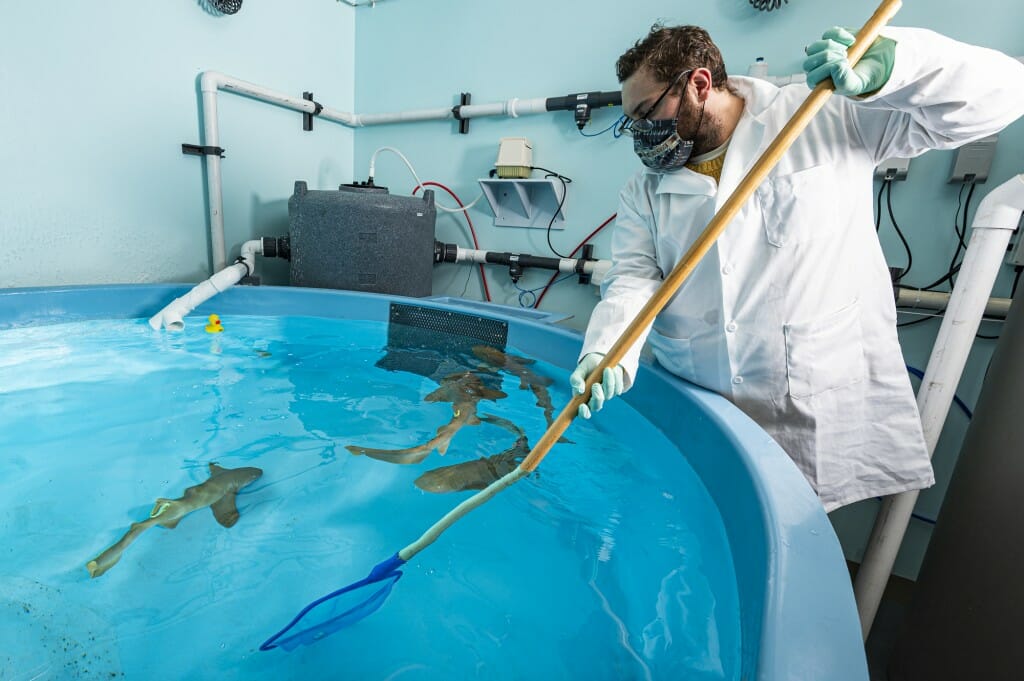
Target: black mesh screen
[{"x": 435, "y": 342}]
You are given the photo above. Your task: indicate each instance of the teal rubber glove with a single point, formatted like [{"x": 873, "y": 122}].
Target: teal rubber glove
[
  {"x": 611, "y": 383},
  {"x": 827, "y": 57}
]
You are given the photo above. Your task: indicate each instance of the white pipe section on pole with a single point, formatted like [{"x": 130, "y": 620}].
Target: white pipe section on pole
[
  {"x": 597, "y": 269},
  {"x": 172, "y": 317},
  {"x": 993, "y": 224},
  {"x": 513, "y": 108},
  {"x": 939, "y": 300}
]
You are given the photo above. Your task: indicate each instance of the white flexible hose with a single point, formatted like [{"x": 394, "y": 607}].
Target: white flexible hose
[
  {"x": 428, "y": 537},
  {"x": 419, "y": 182}
]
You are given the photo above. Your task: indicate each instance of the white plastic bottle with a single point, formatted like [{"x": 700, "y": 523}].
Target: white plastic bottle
[{"x": 759, "y": 69}]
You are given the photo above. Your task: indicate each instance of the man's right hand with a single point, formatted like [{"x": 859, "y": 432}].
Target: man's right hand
[{"x": 610, "y": 385}]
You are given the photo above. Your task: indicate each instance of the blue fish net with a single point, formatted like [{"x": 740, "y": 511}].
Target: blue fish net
[{"x": 339, "y": 609}]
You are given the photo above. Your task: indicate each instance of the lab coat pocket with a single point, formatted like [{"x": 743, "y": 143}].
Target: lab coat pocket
[
  {"x": 674, "y": 354},
  {"x": 796, "y": 205},
  {"x": 825, "y": 354}
]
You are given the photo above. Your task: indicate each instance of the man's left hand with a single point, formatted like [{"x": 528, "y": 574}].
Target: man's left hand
[{"x": 827, "y": 57}]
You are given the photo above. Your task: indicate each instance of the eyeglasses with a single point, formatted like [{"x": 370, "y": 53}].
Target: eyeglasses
[{"x": 642, "y": 124}]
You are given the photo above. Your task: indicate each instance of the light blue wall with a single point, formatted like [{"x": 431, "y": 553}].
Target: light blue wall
[
  {"x": 96, "y": 99},
  {"x": 412, "y": 54}
]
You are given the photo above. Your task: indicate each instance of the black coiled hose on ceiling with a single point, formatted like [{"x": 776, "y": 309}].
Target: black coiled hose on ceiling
[
  {"x": 226, "y": 6},
  {"x": 767, "y": 5}
]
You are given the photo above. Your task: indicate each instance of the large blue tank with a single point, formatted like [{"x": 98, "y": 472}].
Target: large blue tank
[{"x": 797, "y": 614}]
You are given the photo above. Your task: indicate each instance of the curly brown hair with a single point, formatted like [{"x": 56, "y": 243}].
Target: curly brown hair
[{"x": 668, "y": 50}]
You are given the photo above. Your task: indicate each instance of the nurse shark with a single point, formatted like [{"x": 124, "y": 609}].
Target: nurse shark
[
  {"x": 464, "y": 390},
  {"x": 528, "y": 378},
  {"x": 478, "y": 473},
  {"x": 520, "y": 368},
  {"x": 218, "y": 492}
]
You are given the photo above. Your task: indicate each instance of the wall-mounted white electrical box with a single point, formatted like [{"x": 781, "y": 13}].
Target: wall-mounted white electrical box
[
  {"x": 515, "y": 157},
  {"x": 525, "y": 203},
  {"x": 972, "y": 161},
  {"x": 892, "y": 169}
]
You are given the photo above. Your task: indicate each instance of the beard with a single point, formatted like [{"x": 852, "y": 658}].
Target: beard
[{"x": 704, "y": 128}]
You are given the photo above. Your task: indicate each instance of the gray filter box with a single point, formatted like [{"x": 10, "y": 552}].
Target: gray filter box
[{"x": 362, "y": 239}]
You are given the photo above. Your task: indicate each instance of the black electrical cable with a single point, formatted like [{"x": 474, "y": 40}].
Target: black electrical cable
[
  {"x": 564, "y": 180},
  {"x": 944, "y": 278},
  {"x": 954, "y": 266},
  {"x": 899, "y": 232},
  {"x": 613, "y": 128},
  {"x": 961, "y": 234},
  {"x": 962, "y": 231},
  {"x": 878, "y": 207},
  {"x": 960, "y": 227}
]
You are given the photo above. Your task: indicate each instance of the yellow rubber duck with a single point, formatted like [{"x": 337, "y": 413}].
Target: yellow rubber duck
[{"x": 214, "y": 326}]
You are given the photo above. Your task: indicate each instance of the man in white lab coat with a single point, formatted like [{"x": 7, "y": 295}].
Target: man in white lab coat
[{"x": 791, "y": 314}]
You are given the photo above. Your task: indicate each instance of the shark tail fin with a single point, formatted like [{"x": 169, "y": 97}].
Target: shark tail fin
[{"x": 225, "y": 511}]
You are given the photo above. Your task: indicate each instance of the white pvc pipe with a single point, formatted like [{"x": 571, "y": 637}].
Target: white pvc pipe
[
  {"x": 512, "y": 108},
  {"x": 172, "y": 317},
  {"x": 211, "y": 81},
  {"x": 993, "y": 224},
  {"x": 211, "y": 137},
  {"x": 939, "y": 300}
]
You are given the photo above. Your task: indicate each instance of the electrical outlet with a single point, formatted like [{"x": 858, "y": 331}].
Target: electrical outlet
[
  {"x": 892, "y": 169},
  {"x": 973, "y": 161}
]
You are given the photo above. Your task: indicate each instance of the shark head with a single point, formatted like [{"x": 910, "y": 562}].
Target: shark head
[
  {"x": 464, "y": 389},
  {"x": 234, "y": 478}
]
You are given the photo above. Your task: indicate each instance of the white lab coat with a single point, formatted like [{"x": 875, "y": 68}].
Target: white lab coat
[{"x": 791, "y": 314}]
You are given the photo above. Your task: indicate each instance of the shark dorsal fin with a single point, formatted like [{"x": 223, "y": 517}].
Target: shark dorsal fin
[{"x": 215, "y": 469}]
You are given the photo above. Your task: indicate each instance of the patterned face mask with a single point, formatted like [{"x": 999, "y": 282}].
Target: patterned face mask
[
  {"x": 657, "y": 143},
  {"x": 661, "y": 148}
]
